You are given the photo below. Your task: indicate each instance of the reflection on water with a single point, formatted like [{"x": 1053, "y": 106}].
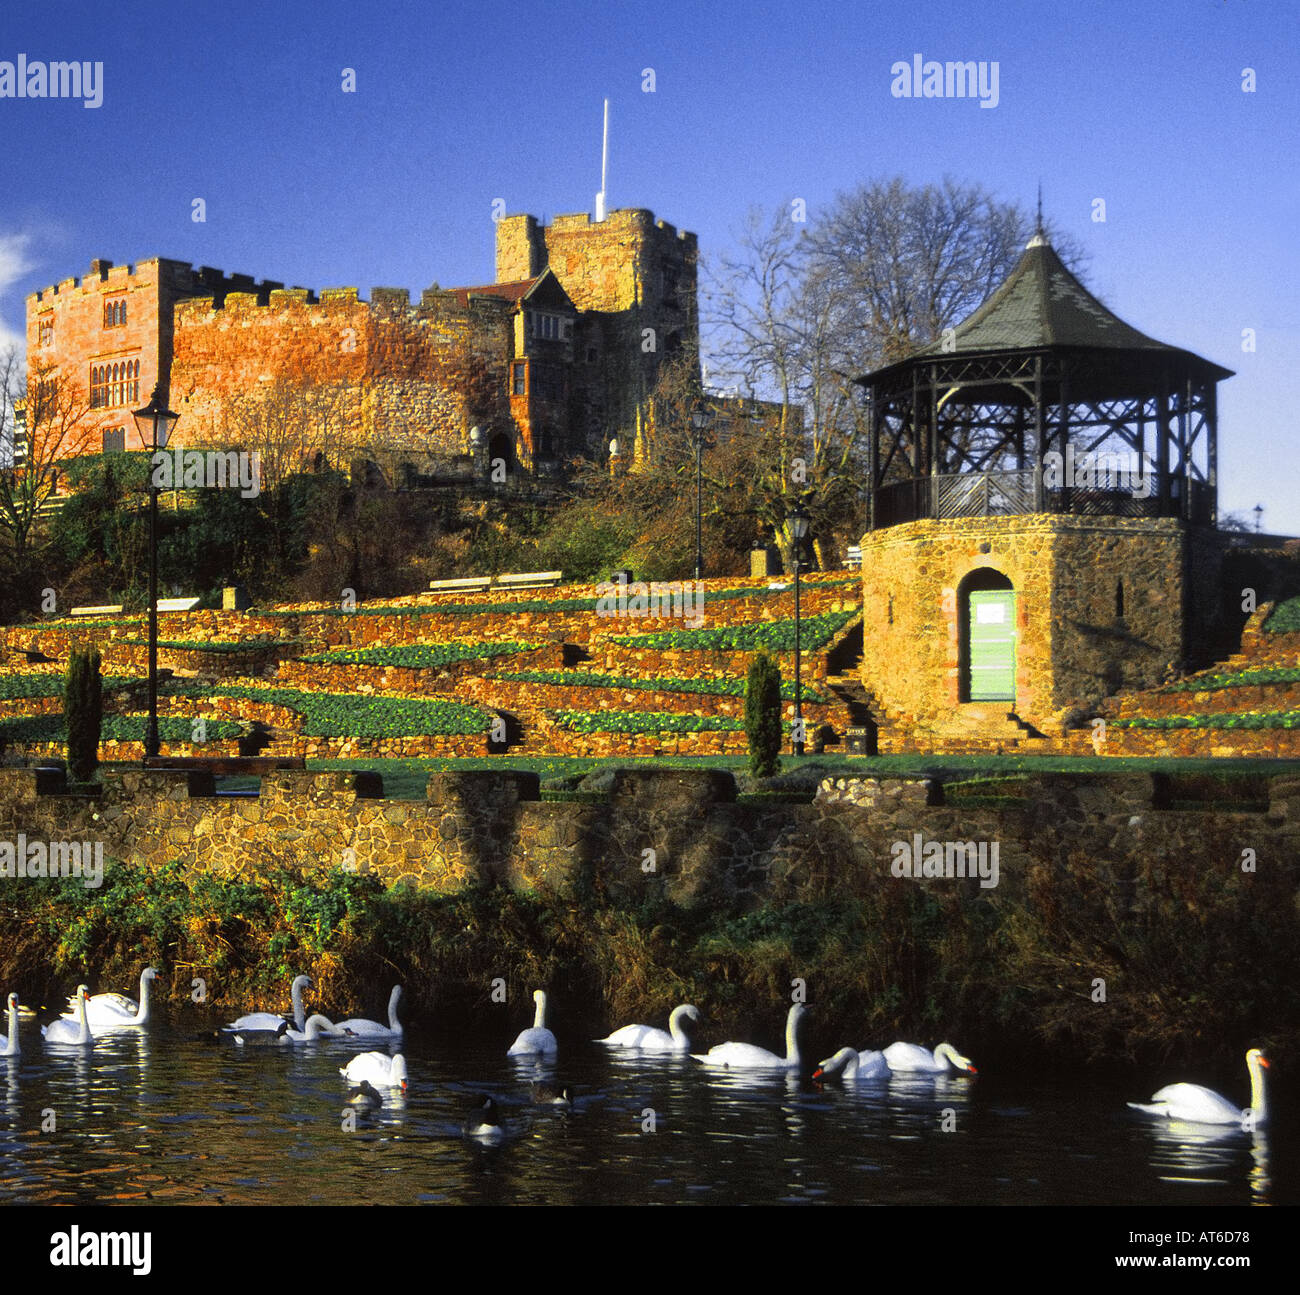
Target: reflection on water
[{"x": 156, "y": 1117}]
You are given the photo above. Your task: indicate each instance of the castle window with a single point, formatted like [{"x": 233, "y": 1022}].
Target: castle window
[
  {"x": 114, "y": 385},
  {"x": 115, "y": 312},
  {"x": 519, "y": 378},
  {"x": 45, "y": 332},
  {"x": 1119, "y": 599}
]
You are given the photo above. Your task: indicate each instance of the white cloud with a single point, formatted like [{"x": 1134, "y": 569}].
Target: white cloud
[{"x": 14, "y": 263}]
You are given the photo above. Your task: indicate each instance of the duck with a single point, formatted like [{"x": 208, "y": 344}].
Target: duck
[
  {"x": 271, "y": 1020},
  {"x": 648, "y": 1038},
  {"x": 537, "y": 1041},
  {"x": 745, "y": 1056},
  {"x": 545, "y": 1095},
  {"x": 485, "y": 1123},
  {"x": 1195, "y": 1104},
  {"x": 377, "y": 1068},
  {"x": 912, "y": 1058},
  {"x": 849, "y": 1063},
  {"x": 372, "y": 1029},
  {"x": 366, "y": 1096},
  {"x": 261, "y": 1038},
  {"x": 117, "y": 1011},
  {"x": 75, "y": 1033},
  {"x": 315, "y": 1027},
  {"x": 9, "y": 1045}
]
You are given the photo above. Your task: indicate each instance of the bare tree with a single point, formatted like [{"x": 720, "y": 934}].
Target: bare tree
[
  {"x": 292, "y": 425},
  {"x": 795, "y": 316},
  {"x": 43, "y": 418}
]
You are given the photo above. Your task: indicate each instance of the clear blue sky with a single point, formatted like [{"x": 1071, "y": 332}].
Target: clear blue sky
[{"x": 239, "y": 103}]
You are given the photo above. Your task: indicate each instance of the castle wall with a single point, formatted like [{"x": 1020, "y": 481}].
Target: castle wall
[
  {"x": 1073, "y": 645},
  {"x": 67, "y": 329},
  {"x": 380, "y": 373}
]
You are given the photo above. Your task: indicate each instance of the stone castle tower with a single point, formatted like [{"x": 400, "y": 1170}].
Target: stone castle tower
[{"x": 636, "y": 281}]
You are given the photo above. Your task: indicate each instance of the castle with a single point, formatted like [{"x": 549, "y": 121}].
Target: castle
[{"x": 539, "y": 368}]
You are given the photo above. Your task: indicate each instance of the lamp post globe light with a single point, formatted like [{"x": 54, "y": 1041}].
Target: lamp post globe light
[
  {"x": 154, "y": 423},
  {"x": 797, "y": 520},
  {"x": 613, "y": 456},
  {"x": 700, "y": 420}
]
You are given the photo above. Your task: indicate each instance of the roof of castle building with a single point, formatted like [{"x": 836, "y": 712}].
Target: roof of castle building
[{"x": 516, "y": 290}]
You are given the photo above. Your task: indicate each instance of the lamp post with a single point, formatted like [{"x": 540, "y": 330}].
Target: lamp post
[
  {"x": 700, "y": 420},
  {"x": 154, "y": 422},
  {"x": 613, "y": 457},
  {"x": 1258, "y": 510},
  {"x": 797, "y": 520}
]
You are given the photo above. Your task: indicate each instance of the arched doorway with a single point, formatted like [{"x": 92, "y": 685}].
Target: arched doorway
[
  {"x": 986, "y": 610},
  {"x": 501, "y": 448}
]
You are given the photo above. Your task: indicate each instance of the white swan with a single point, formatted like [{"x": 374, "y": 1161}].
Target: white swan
[
  {"x": 271, "y": 1020},
  {"x": 849, "y": 1063},
  {"x": 745, "y": 1056},
  {"x": 9, "y": 1046},
  {"x": 647, "y": 1038},
  {"x": 377, "y": 1068},
  {"x": 537, "y": 1041},
  {"x": 116, "y": 1011},
  {"x": 372, "y": 1029},
  {"x": 64, "y": 1031},
  {"x": 905, "y": 1058},
  {"x": 1198, "y": 1105},
  {"x": 316, "y": 1026}
]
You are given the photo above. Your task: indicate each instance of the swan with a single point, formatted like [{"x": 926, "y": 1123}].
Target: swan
[
  {"x": 485, "y": 1123},
  {"x": 904, "y": 1058},
  {"x": 372, "y": 1029},
  {"x": 271, "y": 1020},
  {"x": 366, "y": 1096},
  {"x": 116, "y": 1011},
  {"x": 849, "y": 1063},
  {"x": 315, "y": 1027},
  {"x": 745, "y": 1056},
  {"x": 9, "y": 1046},
  {"x": 538, "y": 1041},
  {"x": 65, "y": 1031},
  {"x": 377, "y": 1068},
  {"x": 647, "y": 1038},
  {"x": 1198, "y": 1105}
]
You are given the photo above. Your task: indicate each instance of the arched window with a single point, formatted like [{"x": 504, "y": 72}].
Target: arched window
[{"x": 1119, "y": 599}]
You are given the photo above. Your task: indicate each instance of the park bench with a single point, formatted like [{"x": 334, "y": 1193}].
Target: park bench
[
  {"x": 109, "y": 609},
  {"x": 469, "y": 584},
  {"x": 529, "y": 580}
]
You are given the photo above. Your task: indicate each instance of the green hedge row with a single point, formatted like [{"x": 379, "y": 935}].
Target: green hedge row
[
  {"x": 349, "y": 715},
  {"x": 1284, "y": 618},
  {"x": 642, "y": 721},
  {"x": 776, "y": 636},
  {"x": 1235, "y": 679},
  {"x": 1246, "y": 719},
  {"x": 704, "y": 687},
  {"x": 115, "y": 728},
  {"x": 418, "y": 656}
]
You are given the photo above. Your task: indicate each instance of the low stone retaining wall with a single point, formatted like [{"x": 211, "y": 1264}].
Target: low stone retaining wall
[{"x": 674, "y": 832}]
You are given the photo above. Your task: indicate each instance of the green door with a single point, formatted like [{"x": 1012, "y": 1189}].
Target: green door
[{"x": 993, "y": 645}]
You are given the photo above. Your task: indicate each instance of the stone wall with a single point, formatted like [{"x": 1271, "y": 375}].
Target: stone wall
[
  {"x": 1081, "y": 637},
  {"x": 679, "y": 833}
]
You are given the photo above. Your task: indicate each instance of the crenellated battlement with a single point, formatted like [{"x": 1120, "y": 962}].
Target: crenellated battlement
[{"x": 178, "y": 278}]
